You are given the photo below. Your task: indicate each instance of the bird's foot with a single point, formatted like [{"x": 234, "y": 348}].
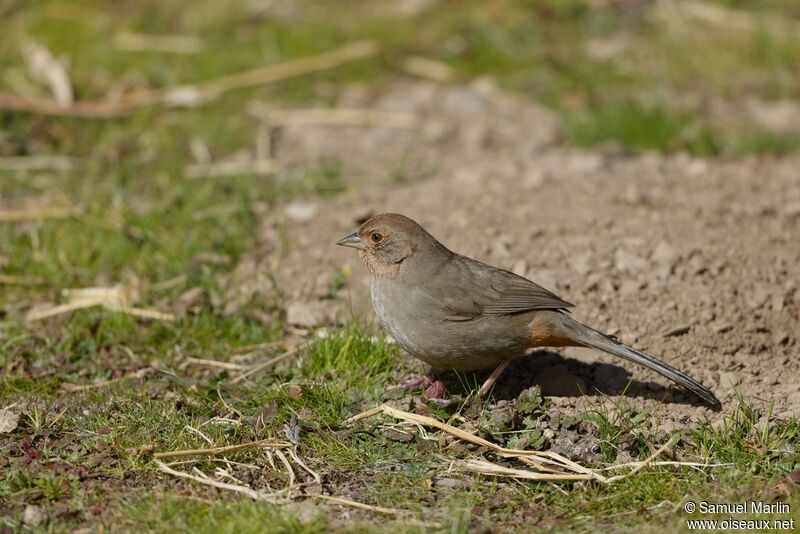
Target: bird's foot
[
  {"x": 435, "y": 391},
  {"x": 487, "y": 386},
  {"x": 411, "y": 384}
]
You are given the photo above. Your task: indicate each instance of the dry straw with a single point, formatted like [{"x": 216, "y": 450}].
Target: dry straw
[
  {"x": 543, "y": 465},
  {"x": 288, "y": 459},
  {"x": 190, "y": 95},
  {"x": 117, "y": 298}
]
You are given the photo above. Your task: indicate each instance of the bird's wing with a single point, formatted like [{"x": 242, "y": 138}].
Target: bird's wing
[{"x": 469, "y": 288}]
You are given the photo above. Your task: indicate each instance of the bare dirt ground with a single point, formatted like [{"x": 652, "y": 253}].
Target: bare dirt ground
[{"x": 692, "y": 260}]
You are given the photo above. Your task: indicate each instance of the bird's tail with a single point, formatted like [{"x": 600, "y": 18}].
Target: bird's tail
[{"x": 589, "y": 337}]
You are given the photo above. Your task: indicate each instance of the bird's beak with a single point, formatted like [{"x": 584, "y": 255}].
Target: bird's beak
[{"x": 352, "y": 241}]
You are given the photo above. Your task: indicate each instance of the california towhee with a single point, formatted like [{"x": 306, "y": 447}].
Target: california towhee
[{"x": 458, "y": 313}]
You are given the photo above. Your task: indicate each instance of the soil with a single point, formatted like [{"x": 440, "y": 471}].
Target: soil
[{"x": 692, "y": 260}]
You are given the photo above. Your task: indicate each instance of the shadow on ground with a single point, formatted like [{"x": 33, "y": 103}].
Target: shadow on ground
[{"x": 561, "y": 376}]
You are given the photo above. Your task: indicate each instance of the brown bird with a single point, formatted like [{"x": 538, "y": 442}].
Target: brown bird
[{"x": 458, "y": 313}]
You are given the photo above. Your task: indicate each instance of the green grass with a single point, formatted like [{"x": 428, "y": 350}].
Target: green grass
[
  {"x": 334, "y": 377},
  {"x": 79, "y": 455}
]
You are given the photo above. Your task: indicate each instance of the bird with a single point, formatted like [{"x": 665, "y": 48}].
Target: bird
[{"x": 455, "y": 312}]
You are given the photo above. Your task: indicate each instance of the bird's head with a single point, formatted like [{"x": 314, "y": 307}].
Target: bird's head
[{"x": 386, "y": 240}]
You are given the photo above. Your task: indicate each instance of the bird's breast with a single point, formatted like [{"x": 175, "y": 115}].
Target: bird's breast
[
  {"x": 392, "y": 307},
  {"x": 419, "y": 324}
]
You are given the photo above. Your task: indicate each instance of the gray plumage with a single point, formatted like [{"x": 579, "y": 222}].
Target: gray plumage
[{"x": 458, "y": 313}]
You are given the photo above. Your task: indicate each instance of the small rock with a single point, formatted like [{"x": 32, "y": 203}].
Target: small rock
[
  {"x": 8, "y": 421},
  {"x": 300, "y": 212},
  {"x": 663, "y": 253},
  {"x": 310, "y": 314},
  {"x": 396, "y": 435},
  {"x": 558, "y": 381},
  {"x": 548, "y": 433},
  {"x": 33, "y": 516},
  {"x": 577, "y": 447},
  {"x": 758, "y": 296},
  {"x": 448, "y": 483},
  {"x": 626, "y": 261}
]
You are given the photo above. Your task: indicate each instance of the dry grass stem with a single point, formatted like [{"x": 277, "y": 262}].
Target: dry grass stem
[
  {"x": 356, "y": 504},
  {"x": 39, "y": 214},
  {"x": 202, "y": 478},
  {"x": 333, "y": 117},
  {"x": 191, "y": 95},
  {"x": 14, "y": 280},
  {"x": 75, "y": 388},
  {"x": 214, "y": 451},
  {"x": 289, "y": 470},
  {"x": 169, "y": 284},
  {"x": 214, "y": 363},
  {"x": 44, "y": 67},
  {"x": 40, "y": 163},
  {"x": 229, "y": 168},
  {"x": 485, "y": 467},
  {"x": 314, "y": 474},
  {"x": 202, "y": 436},
  {"x": 290, "y": 69},
  {"x": 173, "y": 44},
  {"x": 116, "y": 298},
  {"x": 700, "y": 465},
  {"x": 244, "y": 490},
  {"x": 429, "y": 69},
  {"x": 738, "y": 19},
  {"x": 549, "y": 465},
  {"x": 647, "y": 461},
  {"x": 261, "y": 366}
]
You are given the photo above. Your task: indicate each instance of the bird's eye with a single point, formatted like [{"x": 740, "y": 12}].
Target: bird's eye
[{"x": 376, "y": 237}]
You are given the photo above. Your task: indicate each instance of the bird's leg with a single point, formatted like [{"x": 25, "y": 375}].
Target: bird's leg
[{"x": 493, "y": 378}]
